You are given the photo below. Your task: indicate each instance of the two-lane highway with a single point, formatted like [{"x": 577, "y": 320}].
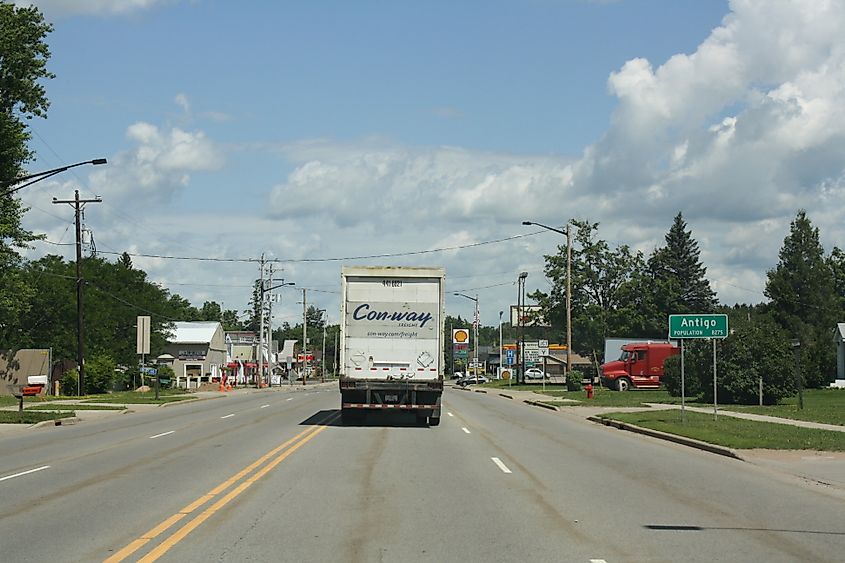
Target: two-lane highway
[{"x": 277, "y": 477}]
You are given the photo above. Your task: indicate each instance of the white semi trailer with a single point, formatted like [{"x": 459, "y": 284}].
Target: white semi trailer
[{"x": 391, "y": 331}]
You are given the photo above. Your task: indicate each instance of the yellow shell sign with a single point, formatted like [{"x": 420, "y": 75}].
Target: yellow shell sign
[{"x": 460, "y": 336}]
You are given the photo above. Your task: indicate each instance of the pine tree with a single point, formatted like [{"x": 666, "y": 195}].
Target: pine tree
[
  {"x": 803, "y": 297},
  {"x": 679, "y": 279}
]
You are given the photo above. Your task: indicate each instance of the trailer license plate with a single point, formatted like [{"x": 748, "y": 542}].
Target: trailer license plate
[{"x": 391, "y": 398}]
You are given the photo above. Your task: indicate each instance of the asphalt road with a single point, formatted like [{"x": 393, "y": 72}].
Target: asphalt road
[{"x": 274, "y": 476}]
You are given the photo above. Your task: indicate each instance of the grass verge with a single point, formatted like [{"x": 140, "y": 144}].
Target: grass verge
[
  {"x": 131, "y": 397},
  {"x": 27, "y": 417},
  {"x": 820, "y": 405},
  {"x": 735, "y": 432}
]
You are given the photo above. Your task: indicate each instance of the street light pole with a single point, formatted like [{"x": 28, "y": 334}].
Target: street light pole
[{"x": 567, "y": 232}]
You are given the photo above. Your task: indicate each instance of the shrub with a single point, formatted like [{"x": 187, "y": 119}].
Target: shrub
[
  {"x": 99, "y": 374},
  {"x": 754, "y": 349},
  {"x": 69, "y": 381}
]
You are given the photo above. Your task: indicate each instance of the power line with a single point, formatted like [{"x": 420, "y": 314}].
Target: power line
[{"x": 333, "y": 259}]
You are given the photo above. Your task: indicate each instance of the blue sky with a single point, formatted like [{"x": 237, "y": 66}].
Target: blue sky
[{"x": 339, "y": 129}]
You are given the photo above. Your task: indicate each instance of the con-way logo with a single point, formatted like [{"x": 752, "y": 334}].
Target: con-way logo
[{"x": 365, "y": 312}]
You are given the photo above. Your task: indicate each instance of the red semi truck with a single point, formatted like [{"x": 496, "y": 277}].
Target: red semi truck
[{"x": 640, "y": 366}]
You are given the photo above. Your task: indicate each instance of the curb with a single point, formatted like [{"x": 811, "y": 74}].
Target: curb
[
  {"x": 480, "y": 391},
  {"x": 192, "y": 400},
  {"x": 541, "y": 405},
  {"x": 57, "y": 422},
  {"x": 505, "y": 396},
  {"x": 682, "y": 440}
]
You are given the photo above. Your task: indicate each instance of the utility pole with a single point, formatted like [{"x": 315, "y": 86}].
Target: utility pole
[
  {"x": 568, "y": 300},
  {"x": 78, "y": 205},
  {"x": 475, "y": 325},
  {"x": 323, "y": 355},
  {"x": 260, "y": 354},
  {"x": 521, "y": 312},
  {"x": 270, "y": 357},
  {"x": 304, "y": 338}
]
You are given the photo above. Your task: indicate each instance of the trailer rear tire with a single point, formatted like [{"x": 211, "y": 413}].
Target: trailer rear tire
[
  {"x": 434, "y": 421},
  {"x": 623, "y": 384}
]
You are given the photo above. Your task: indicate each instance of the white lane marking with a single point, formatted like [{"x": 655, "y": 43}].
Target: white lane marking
[
  {"x": 450, "y": 414},
  {"x": 501, "y": 465},
  {"x": 264, "y": 406},
  {"x": 228, "y": 415},
  {"x": 464, "y": 428},
  {"x": 289, "y": 399},
  {"x": 162, "y": 434},
  {"x": 597, "y": 561},
  {"x": 42, "y": 468}
]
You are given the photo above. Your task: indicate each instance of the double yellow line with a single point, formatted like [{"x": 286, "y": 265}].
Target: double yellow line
[{"x": 287, "y": 448}]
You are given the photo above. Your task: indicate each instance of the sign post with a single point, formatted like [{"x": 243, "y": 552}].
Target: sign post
[{"x": 706, "y": 325}]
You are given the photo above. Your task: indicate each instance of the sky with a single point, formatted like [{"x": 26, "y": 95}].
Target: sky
[{"x": 423, "y": 133}]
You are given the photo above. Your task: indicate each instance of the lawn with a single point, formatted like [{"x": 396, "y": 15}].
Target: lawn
[
  {"x": 820, "y": 405},
  {"x": 132, "y": 397},
  {"x": 735, "y": 432},
  {"x": 27, "y": 417}
]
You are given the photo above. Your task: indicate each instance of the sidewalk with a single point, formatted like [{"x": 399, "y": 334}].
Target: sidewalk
[{"x": 824, "y": 469}]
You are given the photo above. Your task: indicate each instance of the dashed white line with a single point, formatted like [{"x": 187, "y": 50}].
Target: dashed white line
[
  {"x": 228, "y": 415},
  {"x": 42, "y": 468},
  {"x": 464, "y": 428},
  {"x": 162, "y": 434},
  {"x": 264, "y": 406},
  {"x": 501, "y": 465},
  {"x": 597, "y": 561},
  {"x": 289, "y": 399},
  {"x": 450, "y": 414}
]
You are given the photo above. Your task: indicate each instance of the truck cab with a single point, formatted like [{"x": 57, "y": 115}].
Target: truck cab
[{"x": 640, "y": 366}]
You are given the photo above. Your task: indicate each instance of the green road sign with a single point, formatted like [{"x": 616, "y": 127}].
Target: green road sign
[{"x": 698, "y": 326}]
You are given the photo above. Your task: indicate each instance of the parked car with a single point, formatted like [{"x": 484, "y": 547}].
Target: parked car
[
  {"x": 470, "y": 379},
  {"x": 534, "y": 373}
]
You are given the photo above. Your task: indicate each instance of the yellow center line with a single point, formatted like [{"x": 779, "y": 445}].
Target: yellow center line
[
  {"x": 180, "y": 534},
  {"x": 135, "y": 545}
]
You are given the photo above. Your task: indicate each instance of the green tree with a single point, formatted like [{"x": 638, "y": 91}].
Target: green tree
[
  {"x": 803, "y": 299},
  {"x": 23, "y": 60},
  {"x": 678, "y": 281},
  {"x": 605, "y": 299},
  {"x": 115, "y": 297}
]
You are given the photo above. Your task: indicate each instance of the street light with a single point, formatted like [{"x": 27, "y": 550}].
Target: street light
[
  {"x": 520, "y": 308},
  {"x": 568, "y": 288},
  {"x": 475, "y": 330},
  {"x": 38, "y": 176}
]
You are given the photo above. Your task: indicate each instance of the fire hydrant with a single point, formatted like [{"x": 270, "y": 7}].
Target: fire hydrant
[{"x": 589, "y": 388}]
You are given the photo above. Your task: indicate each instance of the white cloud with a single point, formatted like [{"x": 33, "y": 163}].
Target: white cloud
[{"x": 159, "y": 165}]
